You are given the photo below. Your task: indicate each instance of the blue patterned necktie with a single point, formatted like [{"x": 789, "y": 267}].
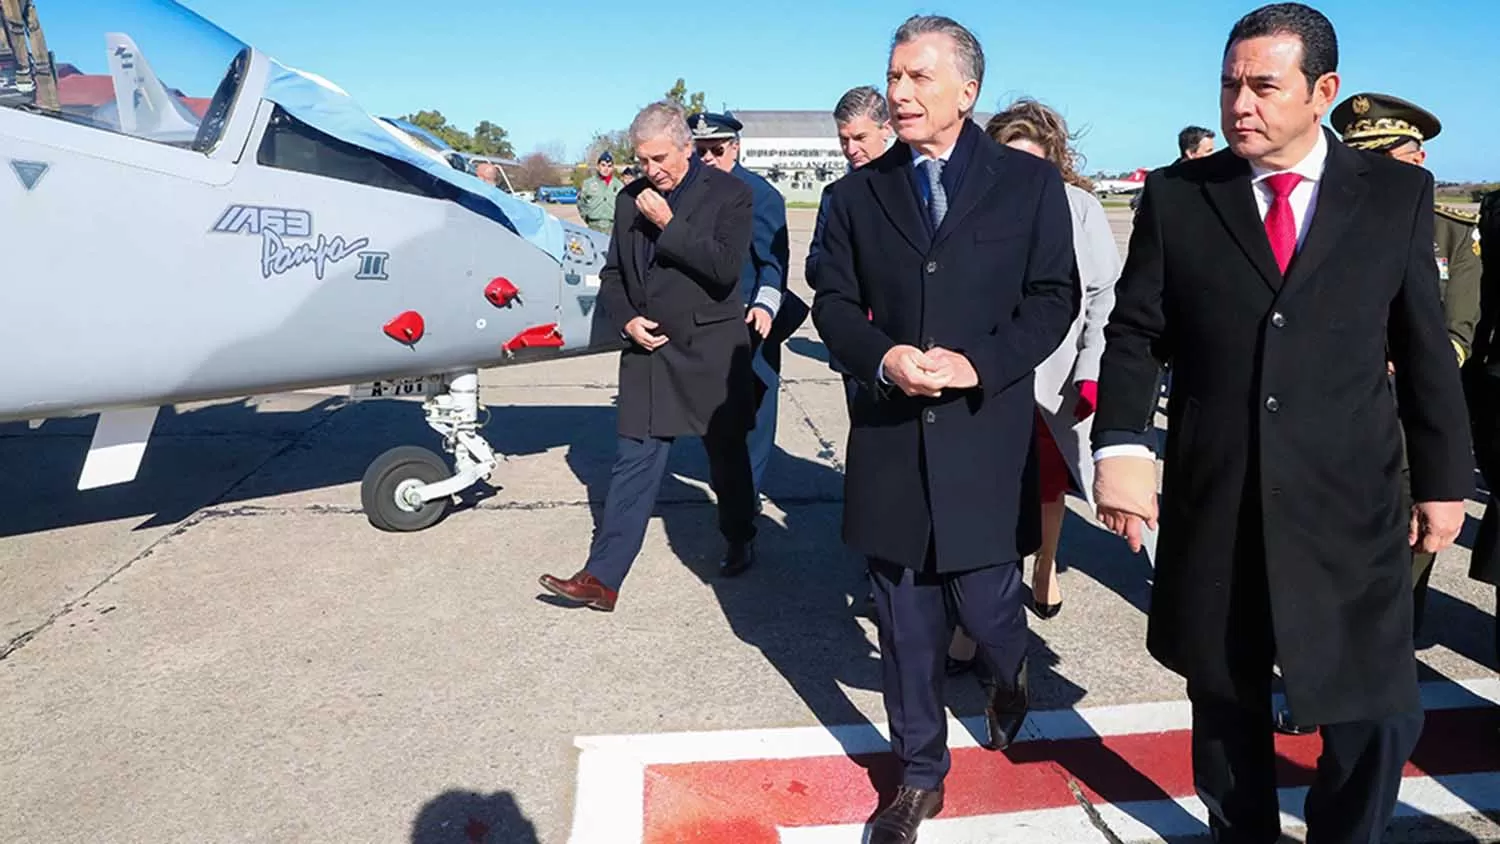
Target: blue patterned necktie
[{"x": 937, "y": 202}]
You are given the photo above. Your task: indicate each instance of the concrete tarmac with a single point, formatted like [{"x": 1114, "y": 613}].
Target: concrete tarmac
[{"x": 225, "y": 650}]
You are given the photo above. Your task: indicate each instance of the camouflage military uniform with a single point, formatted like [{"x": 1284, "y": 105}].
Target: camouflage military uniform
[{"x": 1389, "y": 125}]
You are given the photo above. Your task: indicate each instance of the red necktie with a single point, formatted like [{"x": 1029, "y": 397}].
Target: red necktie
[{"x": 1281, "y": 226}]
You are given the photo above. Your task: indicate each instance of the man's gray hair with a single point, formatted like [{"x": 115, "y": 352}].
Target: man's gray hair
[
  {"x": 970, "y": 56},
  {"x": 863, "y": 101},
  {"x": 662, "y": 117}
]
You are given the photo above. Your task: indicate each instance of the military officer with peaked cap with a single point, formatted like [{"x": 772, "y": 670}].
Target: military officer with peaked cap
[
  {"x": 772, "y": 311},
  {"x": 1391, "y": 126}
]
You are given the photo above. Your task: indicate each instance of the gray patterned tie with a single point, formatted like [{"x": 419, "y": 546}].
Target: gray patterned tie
[{"x": 937, "y": 204}]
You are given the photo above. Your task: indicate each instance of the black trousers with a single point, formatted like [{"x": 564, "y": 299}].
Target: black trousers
[
  {"x": 1234, "y": 756},
  {"x": 916, "y": 612},
  {"x": 634, "y": 483},
  {"x": 1351, "y": 800}
]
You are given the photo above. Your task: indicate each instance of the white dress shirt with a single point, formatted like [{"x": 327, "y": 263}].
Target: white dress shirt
[{"x": 1304, "y": 202}]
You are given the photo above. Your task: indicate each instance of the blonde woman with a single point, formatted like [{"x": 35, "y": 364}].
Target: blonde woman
[{"x": 1067, "y": 382}]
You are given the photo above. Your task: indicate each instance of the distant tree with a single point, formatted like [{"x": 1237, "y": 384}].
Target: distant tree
[
  {"x": 678, "y": 94},
  {"x": 618, "y": 144},
  {"x": 579, "y": 175},
  {"x": 491, "y": 140},
  {"x": 536, "y": 170},
  {"x": 487, "y": 139}
]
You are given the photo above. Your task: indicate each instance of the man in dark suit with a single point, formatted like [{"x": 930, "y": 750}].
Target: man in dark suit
[
  {"x": 946, "y": 277},
  {"x": 864, "y": 126},
  {"x": 670, "y": 290},
  {"x": 1482, "y": 390},
  {"x": 772, "y": 311},
  {"x": 1274, "y": 277}
]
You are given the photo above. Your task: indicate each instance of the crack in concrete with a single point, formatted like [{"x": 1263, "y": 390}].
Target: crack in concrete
[
  {"x": 827, "y": 449},
  {"x": 201, "y": 515},
  {"x": 1089, "y": 809},
  {"x": 25, "y": 638}
]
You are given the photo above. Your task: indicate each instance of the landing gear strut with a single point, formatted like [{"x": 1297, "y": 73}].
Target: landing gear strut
[{"x": 410, "y": 488}]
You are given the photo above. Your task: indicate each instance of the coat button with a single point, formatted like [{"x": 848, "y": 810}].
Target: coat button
[
  {"x": 1272, "y": 404},
  {"x": 1278, "y": 320},
  {"x": 929, "y": 344},
  {"x": 930, "y": 416},
  {"x": 931, "y": 267}
]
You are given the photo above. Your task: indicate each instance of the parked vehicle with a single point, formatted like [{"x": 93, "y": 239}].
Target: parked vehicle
[{"x": 559, "y": 194}]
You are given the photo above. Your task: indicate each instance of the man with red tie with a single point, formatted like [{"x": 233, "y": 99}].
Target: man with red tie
[{"x": 1274, "y": 277}]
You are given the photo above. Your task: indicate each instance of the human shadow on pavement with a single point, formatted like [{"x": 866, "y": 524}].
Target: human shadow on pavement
[
  {"x": 795, "y": 605},
  {"x": 808, "y": 348},
  {"x": 468, "y": 817},
  {"x": 1458, "y": 625},
  {"x": 1106, "y": 559},
  {"x": 230, "y": 453},
  {"x": 1080, "y": 756}
]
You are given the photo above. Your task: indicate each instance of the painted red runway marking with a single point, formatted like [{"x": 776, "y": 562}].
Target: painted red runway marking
[{"x": 746, "y": 801}]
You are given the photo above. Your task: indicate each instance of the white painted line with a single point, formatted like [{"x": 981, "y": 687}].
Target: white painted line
[
  {"x": 1068, "y": 825},
  {"x": 1057, "y": 724},
  {"x": 610, "y": 803},
  {"x": 1150, "y": 821}
]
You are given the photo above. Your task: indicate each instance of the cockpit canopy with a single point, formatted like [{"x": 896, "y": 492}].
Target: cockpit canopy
[{"x": 146, "y": 68}]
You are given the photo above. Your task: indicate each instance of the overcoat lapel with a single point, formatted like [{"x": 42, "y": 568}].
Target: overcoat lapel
[
  {"x": 978, "y": 180},
  {"x": 1340, "y": 193},
  {"x": 1232, "y": 197},
  {"x": 892, "y": 188}
]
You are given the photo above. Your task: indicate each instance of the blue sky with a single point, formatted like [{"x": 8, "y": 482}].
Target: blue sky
[{"x": 1132, "y": 72}]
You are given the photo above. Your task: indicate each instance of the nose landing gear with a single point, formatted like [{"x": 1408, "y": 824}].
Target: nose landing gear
[{"x": 410, "y": 488}]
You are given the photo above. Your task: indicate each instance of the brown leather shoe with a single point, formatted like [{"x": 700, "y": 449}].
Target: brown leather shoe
[
  {"x": 582, "y": 588},
  {"x": 898, "y": 823}
]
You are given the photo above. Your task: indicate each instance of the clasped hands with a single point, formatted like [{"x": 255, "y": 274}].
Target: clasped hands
[
  {"x": 1125, "y": 500},
  {"x": 639, "y": 328},
  {"x": 919, "y": 373}
]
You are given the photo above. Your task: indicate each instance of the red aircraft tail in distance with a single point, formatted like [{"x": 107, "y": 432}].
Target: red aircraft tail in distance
[{"x": 1130, "y": 184}]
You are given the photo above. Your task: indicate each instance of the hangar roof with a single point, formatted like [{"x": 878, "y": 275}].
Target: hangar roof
[{"x": 799, "y": 124}]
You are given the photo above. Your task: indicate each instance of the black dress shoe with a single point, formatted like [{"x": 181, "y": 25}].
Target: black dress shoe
[
  {"x": 1046, "y": 610},
  {"x": 1286, "y": 726},
  {"x": 954, "y": 667},
  {"x": 741, "y": 556},
  {"x": 898, "y": 823},
  {"x": 1007, "y": 711}
]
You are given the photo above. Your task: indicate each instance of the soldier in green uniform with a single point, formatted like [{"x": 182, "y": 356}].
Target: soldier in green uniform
[
  {"x": 596, "y": 199},
  {"x": 1385, "y": 124}
]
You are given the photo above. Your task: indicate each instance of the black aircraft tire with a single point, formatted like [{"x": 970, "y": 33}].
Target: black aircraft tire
[{"x": 377, "y": 492}]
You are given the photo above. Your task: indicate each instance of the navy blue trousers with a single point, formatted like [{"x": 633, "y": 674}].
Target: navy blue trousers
[
  {"x": 634, "y": 483},
  {"x": 916, "y": 613}
]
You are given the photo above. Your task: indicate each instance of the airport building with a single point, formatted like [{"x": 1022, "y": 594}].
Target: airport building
[{"x": 797, "y": 151}]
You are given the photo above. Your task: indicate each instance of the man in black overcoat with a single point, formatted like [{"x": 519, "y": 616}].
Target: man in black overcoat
[
  {"x": 946, "y": 276},
  {"x": 1482, "y": 388},
  {"x": 670, "y": 291},
  {"x": 1277, "y": 277}
]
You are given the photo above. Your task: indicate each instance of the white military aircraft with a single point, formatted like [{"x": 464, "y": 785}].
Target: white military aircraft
[{"x": 253, "y": 231}]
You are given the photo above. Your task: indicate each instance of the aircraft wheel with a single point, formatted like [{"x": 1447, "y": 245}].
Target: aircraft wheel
[{"x": 382, "y": 493}]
